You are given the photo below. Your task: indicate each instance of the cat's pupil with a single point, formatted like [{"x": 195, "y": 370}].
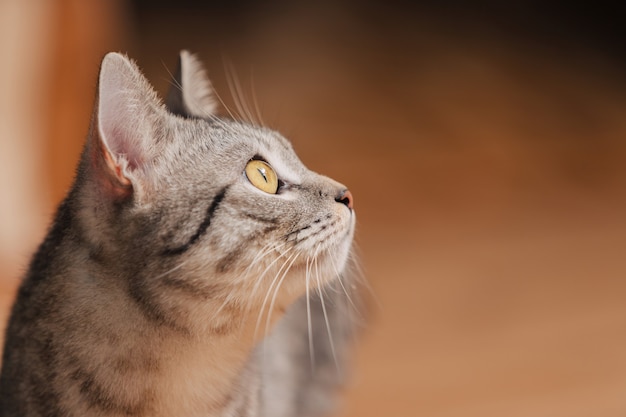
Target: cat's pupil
[{"x": 262, "y": 176}]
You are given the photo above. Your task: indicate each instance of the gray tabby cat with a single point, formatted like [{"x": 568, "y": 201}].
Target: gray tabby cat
[{"x": 159, "y": 287}]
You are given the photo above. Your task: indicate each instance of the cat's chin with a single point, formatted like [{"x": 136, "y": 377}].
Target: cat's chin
[
  {"x": 330, "y": 264},
  {"x": 309, "y": 274},
  {"x": 341, "y": 253}
]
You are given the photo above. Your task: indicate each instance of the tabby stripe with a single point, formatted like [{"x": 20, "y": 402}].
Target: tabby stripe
[
  {"x": 151, "y": 310},
  {"x": 202, "y": 228},
  {"x": 203, "y": 291},
  {"x": 226, "y": 262},
  {"x": 99, "y": 398},
  {"x": 260, "y": 219},
  {"x": 48, "y": 403}
]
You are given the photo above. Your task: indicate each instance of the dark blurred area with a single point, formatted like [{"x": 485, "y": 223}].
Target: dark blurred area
[
  {"x": 484, "y": 143},
  {"x": 597, "y": 26}
]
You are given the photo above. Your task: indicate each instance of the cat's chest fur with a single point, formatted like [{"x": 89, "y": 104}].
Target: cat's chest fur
[{"x": 196, "y": 268}]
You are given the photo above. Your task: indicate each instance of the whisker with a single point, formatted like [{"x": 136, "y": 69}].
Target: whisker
[
  {"x": 237, "y": 93},
  {"x": 228, "y": 110},
  {"x": 264, "y": 251},
  {"x": 341, "y": 284},
  {"x": 353, "y": 257},
  {"x": 259, "y": 279},
  {"x": 177, "y": 267},
  {"x": 250, "y": 296},
  {"x": 254, "y": 100},
  {"x": 233, "y": 94},
  {"x": 269, "y": 290},
  {"x": 308, "y": 313},
  {"x": 280, "y": 282},
  {"x": 172, "y": 80},
  {"x": 330, "y": 334},
  {"x": 207, "y": 115},
  {"x": 271, "y": 307}
]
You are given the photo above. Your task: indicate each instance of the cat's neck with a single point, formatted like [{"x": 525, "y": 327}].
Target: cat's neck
[
  {"x": 200, "y": 379},
  {"x": 129, "y": 352}
]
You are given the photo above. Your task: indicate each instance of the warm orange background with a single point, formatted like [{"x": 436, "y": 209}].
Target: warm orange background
[{"x": 488, "y": 169}]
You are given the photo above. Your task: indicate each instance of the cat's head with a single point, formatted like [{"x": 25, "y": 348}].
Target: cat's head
[{"x": 203, "y": 209}]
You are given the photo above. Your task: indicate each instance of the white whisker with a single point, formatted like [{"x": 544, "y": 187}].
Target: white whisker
[
  {"x": 238, "y": 95},
  {"x": 172, "y": 80},
  {"x": 264, "y": 251},
  {"x": 267, "y": 295},
  {"x": 257, "y": 110},
  {"x": 308, "y": 313},
  {"x": 341, "y": 284},
  {"x": 353, "y": 257},
  {"x": 330, "y": 334},
  {"x": 276, "y": 290},
  {"x": 280, "y": 282},
  {"x": 177, "y": 267},
  {"x": 259, "y": 279},
  {"x": 228, "y": 110}
]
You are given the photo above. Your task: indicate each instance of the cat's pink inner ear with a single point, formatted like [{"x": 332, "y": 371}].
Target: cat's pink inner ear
[
  {"x": 116, "y": 169},
  {"x": 118, "y": 143},
  {"x": 109, "y": 173}
]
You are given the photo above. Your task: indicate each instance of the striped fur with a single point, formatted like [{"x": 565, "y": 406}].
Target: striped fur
[{"x": 168, "y": 285}]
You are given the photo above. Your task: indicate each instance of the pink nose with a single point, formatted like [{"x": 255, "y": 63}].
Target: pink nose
[{"x": 345, "y": 197}]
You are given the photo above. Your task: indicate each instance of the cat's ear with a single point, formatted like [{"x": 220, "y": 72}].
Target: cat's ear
[
  {"x": 123, "y": 142},
  {"x": 191, "y": 94}
]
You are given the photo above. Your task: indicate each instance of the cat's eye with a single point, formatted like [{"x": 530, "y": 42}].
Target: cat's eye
[{"x": 262, "y": 176}]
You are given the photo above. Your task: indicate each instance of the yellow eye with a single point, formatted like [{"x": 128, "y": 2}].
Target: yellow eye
[{"x": 262, "y": 176}]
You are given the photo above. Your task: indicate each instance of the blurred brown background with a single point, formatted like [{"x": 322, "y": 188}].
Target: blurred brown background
[{"x": 484, "y": 144}]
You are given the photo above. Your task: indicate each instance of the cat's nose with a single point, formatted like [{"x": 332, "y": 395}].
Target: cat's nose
[{"x": 345, "y": 197}]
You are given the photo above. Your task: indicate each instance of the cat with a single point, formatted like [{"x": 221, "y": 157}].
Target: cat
[{"x": 195, "y": 268}]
